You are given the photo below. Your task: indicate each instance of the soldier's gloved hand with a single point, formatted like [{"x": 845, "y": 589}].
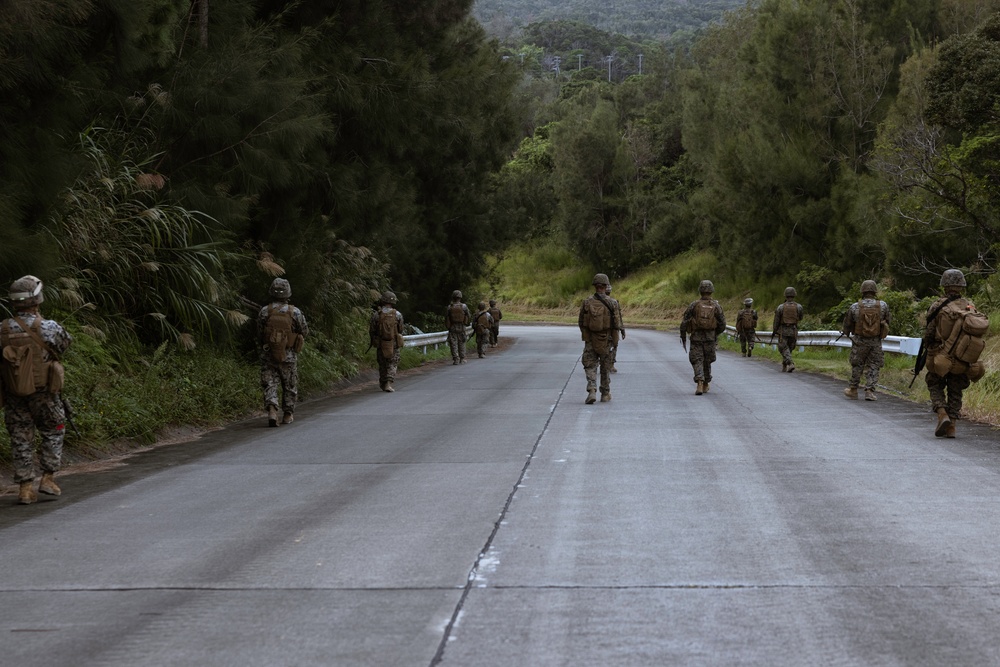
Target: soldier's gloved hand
[{"x": 623, "y": 334}]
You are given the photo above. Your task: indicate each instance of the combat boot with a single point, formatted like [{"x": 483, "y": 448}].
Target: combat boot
[
  {"x": 287, "y": 418},
  {"x": 750, "y": 352},
  {"x": 851, "y": 392},
  {"x": 870, "y": 395},
  {"x": 26, "y": 494},
  {"x": 949, "y": 431},
  {"x": 591, "y": 397},
  {"x": 704, "y": 387},
  {"x": 388, "y": 387},
  {"x": 784, "y": 366},
  {"x": 272, "y": 415},
  {"x": 614, "y": 370},
  {"x": 48, "y": 485},
  {"x": 605, "y": 397},
  {"x": 791, "y": 366},
  {"x": 944, "y": 422},
  {"x": 700, "y": 389}
]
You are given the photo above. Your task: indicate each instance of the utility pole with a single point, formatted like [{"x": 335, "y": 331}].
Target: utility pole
[{"x": 609, "y": 59}]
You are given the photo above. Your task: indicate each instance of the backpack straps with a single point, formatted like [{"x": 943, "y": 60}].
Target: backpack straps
[
  {"x": 611, "y": 310},
  {"x": 35, "y": 335}
]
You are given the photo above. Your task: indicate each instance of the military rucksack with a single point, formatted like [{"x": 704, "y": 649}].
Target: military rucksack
[
  {"x": 483, "y": 323},
  {"x": 24, "y": 366},
  {"x": 962, "y": 328},
  {"x": 496, "y": 315},
  {"x": 456, "y": 315},
  {"x": 388, "y": 331},
  {"x": 278, "y": 334},
  {"x": 598, "y": 315},
  {"x": 703, "y": 317},
  {"x": 790, "y": 313},
  {"x": 745, "y": 320},
  {"x": 869, "y": 322}
]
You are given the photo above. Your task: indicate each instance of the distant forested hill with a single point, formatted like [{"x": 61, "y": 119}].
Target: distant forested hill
[{"x": 656, "y": 19}]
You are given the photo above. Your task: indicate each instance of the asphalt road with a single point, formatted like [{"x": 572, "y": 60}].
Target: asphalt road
[{"x": 484, "y": 515}]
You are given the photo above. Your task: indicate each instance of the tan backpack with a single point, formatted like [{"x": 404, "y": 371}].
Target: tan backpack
[
  {"x": 24, "y": 369},
  {"x": 746, "y": 319},
  {"x": 790, "y": 313},
  {"x": 869, "y": 322},
  {"x": 483, "y": 323},
  {"x": 703, "y": 318},
  {"x": 456, "y": 315},
  {"x": 278, "y": 334},
  {"x": 598, "y": 315},
  {"x": 388, "y": 332}
]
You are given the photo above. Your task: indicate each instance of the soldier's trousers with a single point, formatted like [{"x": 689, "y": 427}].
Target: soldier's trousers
[
  {"x": 387, "y": 365},
  {"x": 701, "y": 354},
  {"x": 747, "y": 340},
  {"x": 867, "y": 360},
  {"x": 494, "y": 334},
  {"x": 456, "y": 341},
  {"x": 946, "y": 392},
  {"x": 482, "y": 342},
  {"x": 785, "y": 346},
  {"x": 591, "y": 360},
  {"x": 284, "y": 374},
  {"x": 23, "y": 415}
]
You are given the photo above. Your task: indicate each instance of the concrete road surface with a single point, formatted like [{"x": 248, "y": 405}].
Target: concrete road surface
[{"x": 484, "y": 515}]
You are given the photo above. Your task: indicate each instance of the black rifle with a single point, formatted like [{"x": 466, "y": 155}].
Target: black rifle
[{"x": 68, "y": 410}]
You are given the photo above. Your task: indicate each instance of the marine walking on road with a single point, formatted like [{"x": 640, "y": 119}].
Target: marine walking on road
[
  {"x": 746, "y": 327},
  {"x": 786, "y": 327},
  {"x": 385, "y": 333},
  {"x": 703, "y": 320},
  {"x": 597, "y": 322},
  {"x": 281, "y": 333},
  {"x": 482, "y": 324},
  {"x": 497, "y": 315},
  {"x": 456, "y": 318},
  {"x": 866, "y": 324},
  {"x": 31, "y": 382}
]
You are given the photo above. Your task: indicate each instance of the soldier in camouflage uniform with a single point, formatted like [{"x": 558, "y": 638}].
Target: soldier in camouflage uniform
[
  {"x": 867, "y": 323},
  {"x": 41, "y": 409},
  {"x": 619, "y": 333},
  {"x": 597, "y": 322},
  {"x": 456, "y": 318},
  {"x": 786, "y": 327},
  {"x": 497, "y": 316},
  {"x": 281, "y": 332},
  {"x": 482, "y": 323},
  {"x": 704, "y": 320},
  {"x": 746, "y": 327},
  {"x": 945, "y": 390},
  {"x": 385, "y": 333}
]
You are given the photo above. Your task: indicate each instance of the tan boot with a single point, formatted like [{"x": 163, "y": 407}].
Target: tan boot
[
  {"x": 605, "y": 397},
  {"x": 784, "y": 366},
  {"x": 287, "y": 418},
  {"x": 48, "y": 485},
  {"x": 704, "y": 387},
  {"x": 870, "y": 395},
  {"x": 26, "y": 494},
  {"x": 791, "y": 366},
  {"x": 388, "y": 387},
  {"x": 591, "y": 397},
  {"x": 851, "y": 392},
  {"x": 944, "y": 421},
  {"x": 949, "y": 431},
  {"x": 700, "y": 389},
  {"x": 272, "y": 415}
]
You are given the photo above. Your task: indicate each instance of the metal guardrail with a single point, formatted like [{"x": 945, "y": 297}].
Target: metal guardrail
[{"x": 899, "y": 344}]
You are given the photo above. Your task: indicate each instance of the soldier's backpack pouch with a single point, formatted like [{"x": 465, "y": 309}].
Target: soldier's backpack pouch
[
  {"x": 599, "y": 341},
  {"x": 57, "y": 376},
  {"x": 19, "y": 370},
  {"x": 976, "y": 371},
  {"x": 704, "y": 316}
]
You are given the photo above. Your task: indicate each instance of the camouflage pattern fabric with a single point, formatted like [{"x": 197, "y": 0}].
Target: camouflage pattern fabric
[
  {"x": 23, "y": 415},
  {"x": 746, "y": 335},
  {"x": 701, "y": 354},
  {"x": 456, "y": 341},
  {"x": 497, "y": 315},
  {"x": 285, "y": 375},
  {"x": 787, "y": 333},
  {"x": 785, "y": 346},
  {"x": 591, "y": 360},
  {"x": 387, "y": 366},
  {"x": 946, "y": 392},
  {"x": 867, "y": 357}
]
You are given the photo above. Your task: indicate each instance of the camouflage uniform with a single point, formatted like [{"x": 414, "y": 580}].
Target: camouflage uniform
[
  {"x": 619, "y": 333},
  {"x": 286, "y": 372},
  {"x": 456, "y": 328},
  {"x": 746, "y": 328},
  {"x": 945, "y": 390},
  {"x": 597, "y": 339},
  {"x": 787, "y": 333},
  {"x": 495, "y": 329},
  {"x": 483, "y": 325},
  {"x": 867, "y": 357},
  {"x": 387, "y": 363},
  {"x": 41, "y": 410},
  {"x": 701, "y": 350}
]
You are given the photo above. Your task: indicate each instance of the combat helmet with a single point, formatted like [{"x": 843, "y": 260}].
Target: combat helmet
[
  {"x": 482, "y": 305},
  {"x": 600, "y": 279},
  {"x": 26, "y": 292},
  {"x": 789, "y": 292},
  {"x": 493, "y": 302},
  {"x": 950, "y": 278},
  {"x": 706, "y": 287},
  {"x": 868, "y": 286},
  {"x": 456, "y": 295},
  {"x": 748, "y": 302},
  {"x": 388, "y": 298},
  {"x": 280, "y": 289}
]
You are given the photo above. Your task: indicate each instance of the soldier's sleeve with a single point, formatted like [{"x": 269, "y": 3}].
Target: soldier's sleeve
[
  {"x": 720, "y": 319},
  {"x": 300, "y": 320},
  {"x": 886, "y": 313},
  {"x": 582, "y": 320},
  {"x": 799, "y": 311},
  {"x": 399, "y": 322},
  {"x": 468, "y": 314},
  {"x": 261, "y": 323},
  {"x": 686, "y": 318},
  {"x": 60, "y": 339},
  {"x": 754, "y": 318},
  {"x": 777, "y": 318},
  {"x": 848, "y": 325}
]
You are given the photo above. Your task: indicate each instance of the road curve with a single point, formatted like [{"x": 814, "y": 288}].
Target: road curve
[{"x": 484, "y": 515}]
